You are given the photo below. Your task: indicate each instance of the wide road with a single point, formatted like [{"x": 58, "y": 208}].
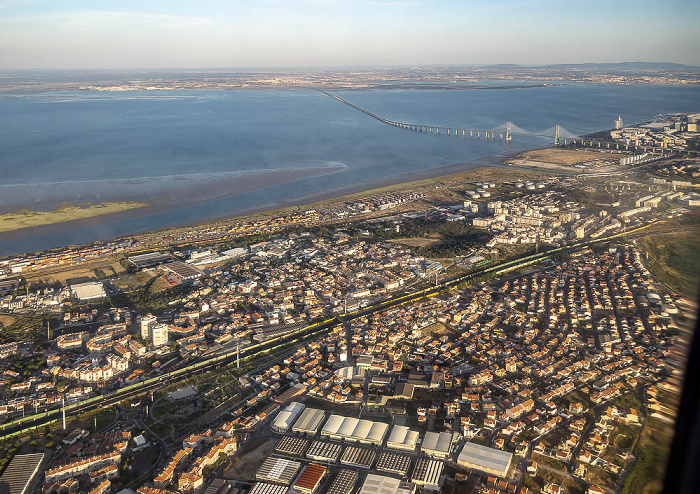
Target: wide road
[{"x": 25, "y": 424}]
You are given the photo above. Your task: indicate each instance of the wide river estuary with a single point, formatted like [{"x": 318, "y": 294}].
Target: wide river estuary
[{"x": 199, "y": 155}]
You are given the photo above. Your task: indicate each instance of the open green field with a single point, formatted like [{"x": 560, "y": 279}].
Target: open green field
[
  {"x": 25, "y": 218},
  {"x": 675, "y": 259}
]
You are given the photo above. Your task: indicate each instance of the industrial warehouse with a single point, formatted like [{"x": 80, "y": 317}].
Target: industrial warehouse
[
  {"x": 427, "y": 473},
  {"x": 485, "y": 459},
  {"x": 437, "y": 445},
  {"x": 324, "y": 451},
  {"x": 292, "y": 446},
  {"x": 286, "y": 417},
  {"x": 403, "y": 438},
  {"x": 352, "y": 429},
  {"x": 278, "y": 471},
  {"x": 309, "y": 421}
]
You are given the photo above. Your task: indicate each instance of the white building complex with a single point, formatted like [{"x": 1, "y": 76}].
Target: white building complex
[
  {"x": 147, "y": 324},
  {"x": 160, "y": 335},
  {"x": 485, "y": 459},
  {"x": 402, "y": 438},
  {"x": 286, "y": 417},
  {"x": 88, "y": 291},
  {"x": 379, "y": 484},
  {"x": 352, "y": 429},
  {"x": 310, "y": 421},
  {"x": 437, "y": 445}
]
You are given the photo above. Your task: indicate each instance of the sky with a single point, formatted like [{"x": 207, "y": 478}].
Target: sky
[{"x": 122, "y": 34}]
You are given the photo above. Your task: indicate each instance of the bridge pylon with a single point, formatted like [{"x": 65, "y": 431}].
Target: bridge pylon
[
  {"x": 556, "y": 135},
  {"x": 509, "y": 133}
]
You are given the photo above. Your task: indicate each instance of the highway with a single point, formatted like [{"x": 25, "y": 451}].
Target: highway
[{"x": 26, "y": 424}]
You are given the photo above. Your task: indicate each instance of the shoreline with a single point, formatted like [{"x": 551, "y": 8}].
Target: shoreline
[
  {"x": 335, "y": 193},
  {"x": 252, "y": 182},
  {"x": 338, "y": 192}
]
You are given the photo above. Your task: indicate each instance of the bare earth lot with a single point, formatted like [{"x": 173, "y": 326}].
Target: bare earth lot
[{"x": 558, "y": 156}]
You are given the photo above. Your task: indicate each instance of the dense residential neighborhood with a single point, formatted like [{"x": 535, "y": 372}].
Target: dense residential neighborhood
[{"x": 513, "y": 341}]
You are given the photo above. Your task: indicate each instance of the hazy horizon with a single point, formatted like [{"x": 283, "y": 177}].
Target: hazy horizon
[
  {"x": 291, "y": 34},
  {"x": 329, "y": 67}
]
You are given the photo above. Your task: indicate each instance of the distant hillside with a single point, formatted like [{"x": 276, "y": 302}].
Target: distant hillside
[
  {"x": 622, "y": 66},
  {"x": 599, "y": 66},
  {"x": 504, "y": 66}
]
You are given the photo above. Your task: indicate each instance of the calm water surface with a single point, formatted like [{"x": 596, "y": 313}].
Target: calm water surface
[{"x": 99, "y": 138}]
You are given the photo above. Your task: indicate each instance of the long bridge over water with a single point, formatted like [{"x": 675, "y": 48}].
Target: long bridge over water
[{"x": 507, "y": 133}]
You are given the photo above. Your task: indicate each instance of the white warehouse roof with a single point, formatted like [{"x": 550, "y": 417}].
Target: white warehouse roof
[
  {"x": 309, "y": 421},
  {"x": 283, "y": 421},
  {"x": 377, "y": 432},
  {"x": 286, "y": 417},
  {"x": 333, "y": 425},
  {"x": 355, "y": 429},
  {"x": 348, "y": 426},
  {"x": 437, "y": 444},
  {"x": 379, "y": 484},
  {"x": 88, "y": 291},
  {"x": 489, "y": 460},
  {"x": 402, "y": 437}
]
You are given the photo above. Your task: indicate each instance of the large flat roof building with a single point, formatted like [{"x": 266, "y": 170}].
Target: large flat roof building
[
  {"x": 344, "y": 482},
  {"x": 403, "y": 438},
  {"x": 21, "y": 474},
  {"x": 278, "y": 471},
  {"x": 292, "y": 446},
  {"x": 88, "y": 291},
  {"x": 358, "y": 457},
  {"x": 310, "y": 479},
  {"x": 427, "y": 473},
  {"x": 184, "y": 271},
  {"x": 309, "y": 421},
  {"x": 352, "y": 429},
  {"x": 379, "y": 484},
  {"x": 324, "y": 451},
  {"x": 265, "y": 488},
  {"x": 286, "y": 417},
  {"x": 396, "y": 463},
  {"x": 150, "y": 259},
  {"x": 485, "y": 459},
  {"x": 437, "y": 445}
]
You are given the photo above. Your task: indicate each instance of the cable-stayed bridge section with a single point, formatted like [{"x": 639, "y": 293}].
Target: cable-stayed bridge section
[
  {"x": 506, "y": 131},
  {"x": 503, "y": 135}
]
